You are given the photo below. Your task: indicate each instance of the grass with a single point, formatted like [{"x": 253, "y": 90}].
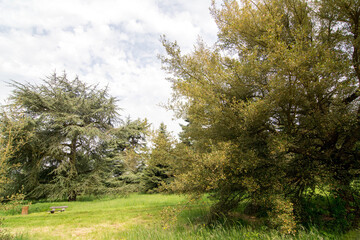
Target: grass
[
  {"x": 89, "y": 219},
  {"x": 136, "y": 217}
]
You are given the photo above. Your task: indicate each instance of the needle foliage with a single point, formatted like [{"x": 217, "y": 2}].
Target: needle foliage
[{"x": 70, "y": 120}]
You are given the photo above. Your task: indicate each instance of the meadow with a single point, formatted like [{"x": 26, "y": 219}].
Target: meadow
[{"x": 139, "y": 216}]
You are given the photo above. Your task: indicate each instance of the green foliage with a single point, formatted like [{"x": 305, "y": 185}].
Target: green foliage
[
  {"x": 159, "y": 171},
  {"x": 325, "y": 212},
  {"x": 78, "y": 146},
  {"x": 70, "y": 120},
  {"x": 9, "y": 132},
  {"x": 273, "y": 107},
  {"x": 128, "y": 153},
  {"x": 154, "y": 178},
  {"x": 282, "y": 215}
]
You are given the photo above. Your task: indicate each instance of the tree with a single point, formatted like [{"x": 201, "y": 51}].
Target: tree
[
  {"x": 160, "y": 166},
  {"x": 10, "y": 131},
  {"x": 7, "y": 149},
  {"x": 71, "y": 119},
  {"x": 127, "y": 152},
  {"x": 274, "y": 105}
]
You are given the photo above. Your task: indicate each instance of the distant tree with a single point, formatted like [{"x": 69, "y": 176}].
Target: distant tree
[
  {"x": 127, "y": 152},
  {"x": 160, "y": 166},
  {"x": 71, "y": 119},
  {"x": 274, "y": 105},
  {"x": 163, "y": 146}
]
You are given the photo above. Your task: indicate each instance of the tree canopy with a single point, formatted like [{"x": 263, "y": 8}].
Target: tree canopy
[
  {"x": 273, "y": 106},
  {"x": 70, "y": 120},
  {"x": 161, "y": 163}
]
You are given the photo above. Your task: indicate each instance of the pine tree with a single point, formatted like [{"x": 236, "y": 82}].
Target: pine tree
[
  {"x": 160, "y": 167},
  {"x": 71, "y": 119}
]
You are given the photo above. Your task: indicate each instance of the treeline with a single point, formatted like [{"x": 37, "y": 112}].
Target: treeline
[
  {"x": 272, "y": 113},
  {"x": 64, "y": 138},
  {"x": 69, "y": 139}
]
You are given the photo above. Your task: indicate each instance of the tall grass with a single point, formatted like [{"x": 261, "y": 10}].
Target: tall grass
[{"x": 220, "y": 233}]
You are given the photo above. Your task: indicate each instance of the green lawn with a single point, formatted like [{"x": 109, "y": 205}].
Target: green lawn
[
  {"x": 135, "y": 217},
  {"x": 90, "y": 219}
]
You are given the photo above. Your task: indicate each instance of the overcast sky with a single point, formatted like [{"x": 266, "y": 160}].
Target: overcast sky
[{"x": 110, "y": 42}]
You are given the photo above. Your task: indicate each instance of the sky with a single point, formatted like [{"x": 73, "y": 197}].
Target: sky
[{"x": 112, "y": 43}]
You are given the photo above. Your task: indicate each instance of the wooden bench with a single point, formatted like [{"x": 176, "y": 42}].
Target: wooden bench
[{"x": 58, "y": 208}]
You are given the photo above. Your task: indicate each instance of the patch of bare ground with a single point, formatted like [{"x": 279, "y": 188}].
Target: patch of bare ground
[
  {"x": 68, "y": 232},
  {"x": 84, "y": 232}
]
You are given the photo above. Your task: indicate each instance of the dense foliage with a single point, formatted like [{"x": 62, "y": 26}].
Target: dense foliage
[
  {"x": 75, "y": 146},
  {"x": 128, "y": 153},
  {"x": 160, "y": 166},
  {"x": 8, "y": 134},
  {"x": 273, "y": 107}
]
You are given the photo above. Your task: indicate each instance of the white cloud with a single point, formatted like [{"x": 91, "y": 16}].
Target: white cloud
[{"x": 110, "y": 42}]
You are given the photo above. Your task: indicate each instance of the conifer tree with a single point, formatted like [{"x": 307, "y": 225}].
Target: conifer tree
[
  {"x": 160, "y": 167},
  {"x": 71, "y": 119}
]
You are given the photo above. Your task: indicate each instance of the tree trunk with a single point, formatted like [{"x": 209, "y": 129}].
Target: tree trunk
[
  {"x": 72, "y": 172},
  {"x": 73, "y": 157},
  {"x": 72, "y": 196}
]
